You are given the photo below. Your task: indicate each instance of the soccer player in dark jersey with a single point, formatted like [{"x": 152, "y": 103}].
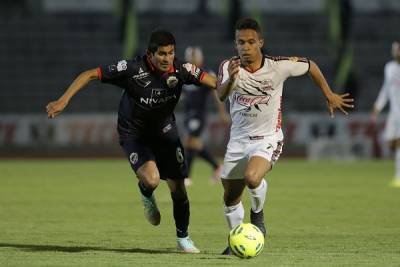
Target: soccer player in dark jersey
[
  {"x": 146, "y": 124},
  {"x": 196, "y": 98}
]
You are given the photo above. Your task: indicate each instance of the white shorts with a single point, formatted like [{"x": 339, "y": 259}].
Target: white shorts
[
  {"x": 239, "y": 153},
  {"x": 392, "y": 128}
]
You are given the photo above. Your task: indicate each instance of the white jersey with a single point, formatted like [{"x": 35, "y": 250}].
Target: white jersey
[
  {"x": 390, "y": 90},
  {"x": 255, "y": 101}
]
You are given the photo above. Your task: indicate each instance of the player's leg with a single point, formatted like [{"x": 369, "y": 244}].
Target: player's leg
[
  {"x": 233, "y": 184},
  {"x": 181, "y": 212},
  {"x": 263, "y": 154},
  {"x": 396, "y": 147},
  {"x": 170, "y": 159},
  {"x": 256, "y": 169},
  {"x": 142, "y": 161},
  {"x": 193, "y": 144},
  {"x": 149, "y": 179},
  {"x": 233, "y": 207},
  {"x": 392, "y": 135}
]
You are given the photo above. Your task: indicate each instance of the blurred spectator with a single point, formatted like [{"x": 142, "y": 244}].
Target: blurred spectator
[
  {"x": 390, "y": 92},
  {"x": 196, "y": 98}
]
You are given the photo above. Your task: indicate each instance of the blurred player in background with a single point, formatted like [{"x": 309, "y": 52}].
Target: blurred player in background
[
  {"x": 254, "y": 82},
  {"x": 146, "y": 123},
  {"x": 390, "y": 92},
  {"x": 196, "y": 98}
]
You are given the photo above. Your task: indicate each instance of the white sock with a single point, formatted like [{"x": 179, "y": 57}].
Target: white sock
[
  {"x": 397, "y": 164},
  {"x": 257, "y": 196},
  {"x": 234, "y": 215}
]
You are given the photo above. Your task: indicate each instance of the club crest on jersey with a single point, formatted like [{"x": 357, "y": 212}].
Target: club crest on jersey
[
  {"x": 172, "y": 81},
  {"x": 250, "y": 101},
  {"x": 122, "y": 65}
]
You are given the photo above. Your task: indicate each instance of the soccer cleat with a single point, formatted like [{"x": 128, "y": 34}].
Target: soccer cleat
[
  {"x": 258, "y": 220},
  {"x": 186, "y": 245},
  {"x": 151, "y": 211},
  {"x": 395, "y": 183},
  {"x": 226, "y": 251},
  {"x": 216, "y": 175}
]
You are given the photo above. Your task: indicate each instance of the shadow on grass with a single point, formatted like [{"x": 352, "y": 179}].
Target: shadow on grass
[{"x": 77, "y": 249}]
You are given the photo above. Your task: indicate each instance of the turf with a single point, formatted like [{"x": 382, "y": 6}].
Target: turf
[{"x": 87, "y": 213}]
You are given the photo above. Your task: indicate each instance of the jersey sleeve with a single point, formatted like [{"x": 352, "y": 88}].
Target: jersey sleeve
[
  {"x": 223, "y": 73},
  {"x": 293, "y": 66},
  {"x": 115, "y": 73},
  {"x": 191, "y": 74}
]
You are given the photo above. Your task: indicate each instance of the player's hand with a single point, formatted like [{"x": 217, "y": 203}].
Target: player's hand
[
  {"x": 56, "y": 107},
  {"x": 233, "y": 67},
  {"x": 340, "y": 102}
]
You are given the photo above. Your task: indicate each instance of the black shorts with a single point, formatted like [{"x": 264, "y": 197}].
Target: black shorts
[
  {"x": 166, "y": 150},
  {"x": 194, "y": 123}
]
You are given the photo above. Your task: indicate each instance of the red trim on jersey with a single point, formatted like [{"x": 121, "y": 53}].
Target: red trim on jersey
[
  {"x": 252, "y": 71},
  {"x": 279, "y": 122},
  {"x": 99, "y": 74},
  {"x": 202, "y": 76},
  {"x": 171, "y": 69}
]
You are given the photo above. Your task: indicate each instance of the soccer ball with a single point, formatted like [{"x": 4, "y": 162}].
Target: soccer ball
[{"x": 246, "y": 240}]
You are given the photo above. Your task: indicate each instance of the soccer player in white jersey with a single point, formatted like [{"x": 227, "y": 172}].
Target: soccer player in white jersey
[
  {"x": 253, "y": 82},
  {"x": 390, "y": 92}
]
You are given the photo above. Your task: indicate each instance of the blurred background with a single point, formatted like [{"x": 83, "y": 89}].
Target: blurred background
[{"x": 45, "y": 44}]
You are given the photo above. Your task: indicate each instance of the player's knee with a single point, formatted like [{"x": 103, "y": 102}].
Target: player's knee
[
  {"x": 152, "y": 180},
  {"x": 252, "y": 179}
]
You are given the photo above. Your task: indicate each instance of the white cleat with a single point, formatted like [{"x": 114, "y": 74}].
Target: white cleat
[
  {"x": 151, "y": 211},
  {"x": 186, "y": 245}
]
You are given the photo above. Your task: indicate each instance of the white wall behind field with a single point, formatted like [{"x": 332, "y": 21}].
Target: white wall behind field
[{"x": 311, "y": 134}]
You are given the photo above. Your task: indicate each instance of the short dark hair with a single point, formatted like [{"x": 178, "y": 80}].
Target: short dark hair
[
  {"x": 248, "y": 23},
  {"x": 160, "y": 38}
]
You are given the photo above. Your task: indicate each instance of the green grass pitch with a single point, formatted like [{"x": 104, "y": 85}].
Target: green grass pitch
[{"x": 87, "y": 213}]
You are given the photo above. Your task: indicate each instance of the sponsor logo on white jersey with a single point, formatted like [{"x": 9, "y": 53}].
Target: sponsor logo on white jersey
[{"x": 250, "y": 101}]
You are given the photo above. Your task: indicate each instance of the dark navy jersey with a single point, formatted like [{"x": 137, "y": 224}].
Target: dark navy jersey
[
  {"x": 149, "y": 98},
  {"x": 196, "y": 97}
]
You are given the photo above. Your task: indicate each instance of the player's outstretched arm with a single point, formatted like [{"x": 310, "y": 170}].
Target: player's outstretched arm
[
  {"x": 56, "y": 107},
  {"x": 224, "y": 88},
  {"x": 334, "y": 100},
  {"x": 209, "y": 80}
]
